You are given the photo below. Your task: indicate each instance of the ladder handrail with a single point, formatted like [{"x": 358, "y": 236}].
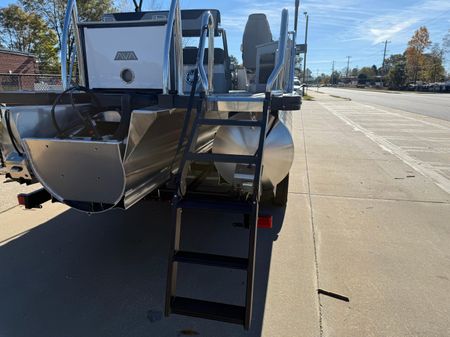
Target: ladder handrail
[
  {"x": 173, "y": 20},
  {"x": 290, "y": 84},
  {"x": 290, "y": 87},
  {"x": 208, "y": 28},
  {"x": 282, "y": 43},
  {"x": 71, "y": 18}
]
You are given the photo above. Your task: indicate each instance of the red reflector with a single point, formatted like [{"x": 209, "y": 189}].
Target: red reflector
[
  {"x": 265, "y": 221},
  {"x": 21, "y": 199}
]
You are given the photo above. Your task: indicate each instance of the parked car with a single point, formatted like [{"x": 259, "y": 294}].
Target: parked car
[{"x": 297, "y": 86}]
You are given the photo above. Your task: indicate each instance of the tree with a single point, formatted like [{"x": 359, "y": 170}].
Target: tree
[
  {"x": 324, "y": 79},
  {"x": 298, "y": 65},
  {"x": 367, "y": 74},
  {"x": 335, "y": 77},
  {"x": 234, "y": 61},
  {"x": 393, "y": 60},
  {"x": 309, "y": 75},
  {"x": 53, "y": 12},
  {"x": 362, "y": 78},
  {"x": 27, "y": 32},
  {"x": 414, "y": 53},
  {"x": 446, "y": 42},
  {"x": 374, "y": 70},
  {"x": 434, "y": 70},
  {"x": 396, "y": 77}
]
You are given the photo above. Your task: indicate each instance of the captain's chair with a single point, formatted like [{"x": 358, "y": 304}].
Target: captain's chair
[
  {"x": 221, "y": 82},
  {"x": 258, "y": 51}
]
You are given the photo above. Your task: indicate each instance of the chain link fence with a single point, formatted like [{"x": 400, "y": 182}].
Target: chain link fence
[{"x": 30, "y": 82}]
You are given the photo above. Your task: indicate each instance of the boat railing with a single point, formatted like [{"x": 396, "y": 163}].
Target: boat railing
[
  {"x": 207, "y": 30},
  {"x": 278, "y": 73},
  {"x": 174, "y": 31},
  {"x": 71, "y": 21},
  {"x": 290, "y": 80},
  {"x": 290, "y": 84}
]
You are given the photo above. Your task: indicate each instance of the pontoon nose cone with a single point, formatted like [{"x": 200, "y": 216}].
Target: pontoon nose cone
[
  {"x": 278, "y": 150},
  {"x": 86, "y": 175}
]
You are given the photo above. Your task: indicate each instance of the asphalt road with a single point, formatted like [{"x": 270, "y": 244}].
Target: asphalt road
[{"x": 427, "y": 104}]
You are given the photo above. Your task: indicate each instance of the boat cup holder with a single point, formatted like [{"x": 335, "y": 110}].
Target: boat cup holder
[{"x": 127, "y": 75}]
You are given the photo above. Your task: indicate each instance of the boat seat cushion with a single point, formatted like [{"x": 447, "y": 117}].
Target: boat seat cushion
[{"x": 190, "y": 55}]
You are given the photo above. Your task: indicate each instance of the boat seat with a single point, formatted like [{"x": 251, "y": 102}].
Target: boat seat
[
  {"x": 257, "y": 32},
  {"x": 190, "y": 55},
  {"x": 221, "y": 81}
]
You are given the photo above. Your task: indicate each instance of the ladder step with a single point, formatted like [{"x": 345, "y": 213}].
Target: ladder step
[
  {"x": 211, "y": 260},
  {"x": 222, "y": 158},
  {"x": 209, "y": 310},
  {"x": 235, "y": 98},
  {"x": 240, "y": 207},
  {"x": 231, "y": 122},
  {"x": 226, "y": 103}
]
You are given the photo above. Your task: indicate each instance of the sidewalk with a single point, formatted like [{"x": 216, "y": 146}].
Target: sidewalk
[{"x": 381, "y": 222}]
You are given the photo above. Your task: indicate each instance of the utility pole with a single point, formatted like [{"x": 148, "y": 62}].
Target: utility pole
[
  {"x": 332, "y": 73},
  {"x": 306, "y": 49},
  {"x": 383, "y": 69},
  {"x": 384, "y": 54},
  {"x": 348, "y": 65},
  {"x": 317, "y": 79}
]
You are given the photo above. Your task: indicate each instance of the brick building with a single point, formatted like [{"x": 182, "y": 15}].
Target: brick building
[
  {"x": 15, "y": 68},
  {"x": 17, "y": 62}
]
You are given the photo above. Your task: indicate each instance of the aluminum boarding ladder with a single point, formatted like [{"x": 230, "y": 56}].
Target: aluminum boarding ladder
[{"x": 249, "y": 208}]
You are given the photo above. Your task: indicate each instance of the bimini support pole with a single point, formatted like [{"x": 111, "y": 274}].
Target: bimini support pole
[
  {"x": 173, "y": 33},
  {"x": 290, "y": 86},
  {"x": 71, "y": 20}
]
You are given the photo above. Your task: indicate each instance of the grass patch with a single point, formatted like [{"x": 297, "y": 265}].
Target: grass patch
[
  {"x": 345, "y": 98},
  {"x": 307, "y": 97}
]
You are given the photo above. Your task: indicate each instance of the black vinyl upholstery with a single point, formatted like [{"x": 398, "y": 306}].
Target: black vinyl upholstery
[{"x": 190, "y": 55}]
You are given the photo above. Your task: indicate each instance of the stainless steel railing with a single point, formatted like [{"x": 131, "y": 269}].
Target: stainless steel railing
[
  {"x": 282, "y": 45},
  {"x": 290, "y": 84},
  {"x": 208, "y": 27},
  {"x": 173, "y": 26},
  {"x": 71, "y": 20}
]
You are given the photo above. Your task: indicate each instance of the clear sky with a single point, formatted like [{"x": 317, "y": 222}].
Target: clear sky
[{"x": 338, "y": 28}]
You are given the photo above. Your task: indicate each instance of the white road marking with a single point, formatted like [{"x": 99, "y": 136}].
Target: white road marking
[
  {"x": 420, "y": 166},
  {"x": 405, "y": 117}
]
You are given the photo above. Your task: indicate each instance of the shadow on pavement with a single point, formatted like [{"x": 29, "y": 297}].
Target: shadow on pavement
[{"x": 104, "y": 275}]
